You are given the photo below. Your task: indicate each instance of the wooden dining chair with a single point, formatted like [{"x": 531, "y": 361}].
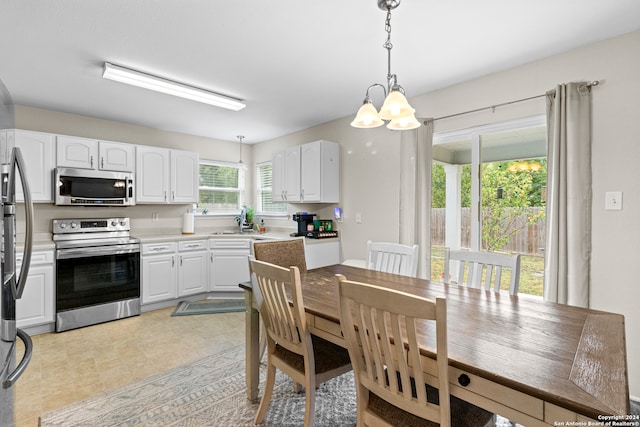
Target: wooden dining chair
[
  {"x": 392, "y": 258},
  {"x": 397, "y": 384},
  {"x": 284, "y": 253},
  {"x": 472, "y": 266},
  {"x": 307, "y": 359}
]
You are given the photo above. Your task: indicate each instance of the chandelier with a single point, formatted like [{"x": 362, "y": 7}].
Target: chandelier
[{"x": 396, "y": 108}]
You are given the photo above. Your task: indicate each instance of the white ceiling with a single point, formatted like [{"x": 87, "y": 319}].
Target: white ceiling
[{"x": 296, "y": 63}]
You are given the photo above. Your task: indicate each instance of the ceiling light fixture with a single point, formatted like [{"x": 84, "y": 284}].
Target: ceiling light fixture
[
  {"x": 396, "y": 108},
  {"x": 148, "y": 81}
]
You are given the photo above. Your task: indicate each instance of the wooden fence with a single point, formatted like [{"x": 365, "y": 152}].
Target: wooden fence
[{"x": 529, "y": 239}]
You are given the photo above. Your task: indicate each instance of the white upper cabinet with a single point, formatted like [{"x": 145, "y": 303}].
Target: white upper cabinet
[
  {"x": 185, "y": 173},
  {"x": 85, "y": 153},
  {"x": 320, "y": 172},
  {"x": 166, "y": 176},
  {"x": 307, "y": 173},
  {"x": 286, "y": 175},
  {"x": 38, "y": 151},
  {"x": 152, "y": 174},
  {"x": 74, "y": 152},
  {"x": 116, "y": 156}
]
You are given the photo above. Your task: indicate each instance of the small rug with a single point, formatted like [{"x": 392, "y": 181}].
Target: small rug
[
  {"x": 188, "y": 308},
  {"x": 211, "y": 393}
]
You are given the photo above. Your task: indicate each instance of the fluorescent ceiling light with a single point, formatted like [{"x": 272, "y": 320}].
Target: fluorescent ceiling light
[{"x": 148, "y": 81}]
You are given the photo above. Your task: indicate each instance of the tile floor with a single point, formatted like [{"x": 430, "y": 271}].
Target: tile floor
[{"x": 75, "y": 365}]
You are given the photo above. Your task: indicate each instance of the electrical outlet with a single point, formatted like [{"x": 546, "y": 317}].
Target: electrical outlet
[
  {"x": 155, "y": 216},
  {"x": 613, "y": 200},
  {"x": 358, "y": 218}
]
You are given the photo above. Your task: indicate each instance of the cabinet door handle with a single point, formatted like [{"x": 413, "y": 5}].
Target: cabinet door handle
[
  {"x": 91, "y": 161},
  {"x": 211, "y": 258},
  {"x": 180, "y": 260},
  {"x": 302, "y": 194},
  {"x": 165, "y": 196},
  {"x": 173, "y": 261},
  {"x": 102, "y": 162},
  {"x": 173, "y": 195}
]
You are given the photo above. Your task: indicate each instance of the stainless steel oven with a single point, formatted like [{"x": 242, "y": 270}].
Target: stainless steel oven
[{"x": 97, "y": 271}]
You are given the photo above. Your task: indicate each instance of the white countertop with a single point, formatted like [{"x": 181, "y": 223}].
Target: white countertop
[
  {"x": 43, "y": 241},
  {"x": 152, "y": 236}
]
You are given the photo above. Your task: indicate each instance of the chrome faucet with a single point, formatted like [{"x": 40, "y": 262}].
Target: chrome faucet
[{"x": 243, "y": 219}]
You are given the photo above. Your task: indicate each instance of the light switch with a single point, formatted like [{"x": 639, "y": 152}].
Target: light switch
[{"x": 613, "y": 200}]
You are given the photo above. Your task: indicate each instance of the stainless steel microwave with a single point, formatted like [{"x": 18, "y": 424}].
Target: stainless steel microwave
[{"x": 84, "y": 187}]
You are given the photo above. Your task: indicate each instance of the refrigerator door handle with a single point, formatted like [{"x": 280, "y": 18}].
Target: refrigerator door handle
[
  {"x": 26, "y": 358},
  {"x": 18, "y": 160}
]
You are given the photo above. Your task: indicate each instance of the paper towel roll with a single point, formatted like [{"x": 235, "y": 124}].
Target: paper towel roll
[{"x": 188, "y": 223}]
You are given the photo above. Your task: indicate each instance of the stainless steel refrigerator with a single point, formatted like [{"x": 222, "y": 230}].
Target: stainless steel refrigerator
[{"x": 13, "y": 283}]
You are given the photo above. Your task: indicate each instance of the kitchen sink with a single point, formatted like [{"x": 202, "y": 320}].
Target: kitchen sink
[{"x": 232, "y": 233}]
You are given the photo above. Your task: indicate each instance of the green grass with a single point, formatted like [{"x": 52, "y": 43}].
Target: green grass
[{"x": 531, "y": 272}]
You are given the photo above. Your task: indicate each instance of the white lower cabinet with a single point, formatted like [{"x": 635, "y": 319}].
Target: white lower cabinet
[
  {"x": 37, "y": 305},
  {"x": 159, "y": 272},
  {"x": 192, "y": 267},
  {"x": 321, "y": 253},
  {"x": 229, "y": 264}
]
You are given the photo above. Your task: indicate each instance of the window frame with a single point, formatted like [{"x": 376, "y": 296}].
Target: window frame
[{"x": 241, "y": 190}]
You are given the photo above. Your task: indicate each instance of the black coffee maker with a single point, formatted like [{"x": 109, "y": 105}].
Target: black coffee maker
[{"x": 304, "y": 220}]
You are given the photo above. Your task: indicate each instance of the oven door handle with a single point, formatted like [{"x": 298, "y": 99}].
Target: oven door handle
[{"x": 96, "y": 251}]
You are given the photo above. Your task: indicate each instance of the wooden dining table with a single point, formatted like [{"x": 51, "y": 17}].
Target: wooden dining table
[{"x": 536, "y": 363}]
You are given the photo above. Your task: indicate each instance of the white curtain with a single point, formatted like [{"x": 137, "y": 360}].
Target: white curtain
[
  {"x": 569, "y": 194},
  {"x": 415, "y": 193}
]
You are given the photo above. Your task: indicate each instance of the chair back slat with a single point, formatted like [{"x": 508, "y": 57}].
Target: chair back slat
[
  {"x": 473, "y": 266},
  {"x": 381, "y": 328},
  {"x": 284, "y": 323},
  {"x": 392, "y": 258}
]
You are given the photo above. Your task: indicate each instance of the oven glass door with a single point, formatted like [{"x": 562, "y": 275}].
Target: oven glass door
[{"x": 99, "y": 279}]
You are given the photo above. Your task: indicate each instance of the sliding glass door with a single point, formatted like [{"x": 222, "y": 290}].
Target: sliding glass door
[{"x": 489, "y": 187}]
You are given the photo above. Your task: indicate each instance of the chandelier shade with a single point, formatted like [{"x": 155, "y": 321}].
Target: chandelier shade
[
  {"x": 404, "y": 123},
  {"x": 395, "y": 106},
  {"x": 367, "y": 117}
]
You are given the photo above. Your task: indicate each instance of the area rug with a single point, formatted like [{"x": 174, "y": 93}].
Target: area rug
[
  {"x": 188, "y": 308},
  {"x": 210, "y": 393}
]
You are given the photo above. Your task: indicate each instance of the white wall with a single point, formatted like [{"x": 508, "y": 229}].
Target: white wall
[{"x": 370, "y": 162}]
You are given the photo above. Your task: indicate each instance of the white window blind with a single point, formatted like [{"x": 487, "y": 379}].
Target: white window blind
[
  {"x": 264, "y": 190},
  {"x": 221, "y": 187}
]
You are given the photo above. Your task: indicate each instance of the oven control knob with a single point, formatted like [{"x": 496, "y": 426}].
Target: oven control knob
[
  {"x": 74, "y": 225},
  {"x": 63, "y": 225},
  {"x": 123, "y": 222},
  {"x": 114, "y": 223}
]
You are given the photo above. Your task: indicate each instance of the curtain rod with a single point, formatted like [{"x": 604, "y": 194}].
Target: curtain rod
[{"x": 493, "y": 107}]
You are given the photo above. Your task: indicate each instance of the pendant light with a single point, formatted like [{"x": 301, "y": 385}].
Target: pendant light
[
  {"x": 240, "y": 162},
  {"x": 396, "y": 108}
]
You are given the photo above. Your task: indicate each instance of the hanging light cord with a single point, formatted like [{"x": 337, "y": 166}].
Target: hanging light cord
[{"x": 391, "y": 78}]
